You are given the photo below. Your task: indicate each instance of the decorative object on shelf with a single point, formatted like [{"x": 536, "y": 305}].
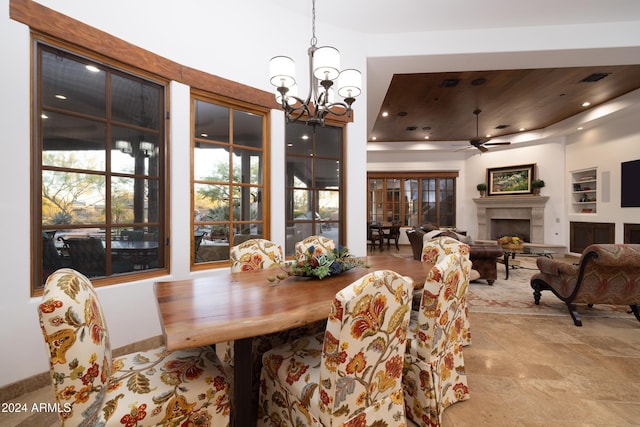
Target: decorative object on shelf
[
  {"x": 511, "y": 243},
  {"x": 482, "y": 188},
  {"x": 510, "y": 180},
  {"x": 536, "y": 185},
  {"x": 324, "y": 70},
  {"x": 585, "y": 191},
  {"x": 320, "y": 264}
]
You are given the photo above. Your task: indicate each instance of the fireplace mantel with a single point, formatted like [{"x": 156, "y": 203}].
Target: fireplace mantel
[{"x": 516, "y": 207}]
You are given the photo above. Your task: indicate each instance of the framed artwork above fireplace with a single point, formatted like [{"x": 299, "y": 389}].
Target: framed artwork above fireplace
[{"x": 510, "y": 180}]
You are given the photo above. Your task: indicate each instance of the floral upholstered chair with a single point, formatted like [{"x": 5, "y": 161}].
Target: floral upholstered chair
[
  {"x": 351, "y": 374},
  {"x": 320, "y": 244},
  {"x": 252, "y": 254},
  {"x": 255, "y": 254},
  {"x": 433, "y": 251},
  {"x": 155, "y": 387},
  {"x": 434, "y": 375}
]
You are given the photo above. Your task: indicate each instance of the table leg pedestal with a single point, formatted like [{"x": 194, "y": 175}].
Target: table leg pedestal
[{"x": 244, "y": 413}]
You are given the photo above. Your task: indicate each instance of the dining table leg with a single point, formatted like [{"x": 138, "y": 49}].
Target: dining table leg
[{"x": 244, "y": 411}]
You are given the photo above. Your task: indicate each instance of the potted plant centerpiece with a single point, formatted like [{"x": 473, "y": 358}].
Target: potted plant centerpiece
[
  {"x": 482, "y": 188},
  {"x": 536, "y": 185}
]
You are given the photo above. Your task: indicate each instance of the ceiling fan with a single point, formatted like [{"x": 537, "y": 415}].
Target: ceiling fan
[{"x": 481, "y": 143}]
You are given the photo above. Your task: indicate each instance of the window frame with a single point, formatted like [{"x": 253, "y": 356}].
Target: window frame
[
  {"x": 39, "y": 43},
  {"x": 402, "y": 216},
  {"x": 233, "y": 105},
  {"x": 290, "y": 187}
]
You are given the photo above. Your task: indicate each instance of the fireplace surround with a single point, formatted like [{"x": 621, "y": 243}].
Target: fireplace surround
[{"x": 517, "y": 208}]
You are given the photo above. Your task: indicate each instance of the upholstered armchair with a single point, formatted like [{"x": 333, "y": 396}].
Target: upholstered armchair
[
  {"x": 155, "y": 387},
  {"x": 605, "y": 274},
  {"x": 434, "y": 251},
  {"x": 434, "y": 374},
  {"x": 320, "y": 244},
  {"x": 351, "y": 374},
  {"x": 484, "y": 257}
]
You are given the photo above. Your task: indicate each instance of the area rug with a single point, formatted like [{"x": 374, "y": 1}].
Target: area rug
[{"x": 515, "y": 296}]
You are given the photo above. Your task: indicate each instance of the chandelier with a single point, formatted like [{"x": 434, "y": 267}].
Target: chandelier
[{"x": 324, "y": 71}]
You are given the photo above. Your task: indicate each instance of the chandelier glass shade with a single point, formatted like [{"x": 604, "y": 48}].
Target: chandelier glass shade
[{"x": 324, "y": 75}]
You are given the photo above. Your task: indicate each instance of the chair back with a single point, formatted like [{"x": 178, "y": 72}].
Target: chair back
[
  {"x": 321, "y": 245},
  {"x": 76, "y": 335},
  {"x": 87, "y": 255},
  {"x": 415, "y": 240},
  {"x": 610, "y": 275},
  {"x": 441, "y": 315},
  {"x": 394, "y": 231},
  {"x": 363, "y": 350},
  {"x": 255, "y": 254},
  {"x": 132, "y": 235},
  {"x": 50, "y": 257},
  {"x": 197, "y": 241},
  {"x": 434, "y": 250}
]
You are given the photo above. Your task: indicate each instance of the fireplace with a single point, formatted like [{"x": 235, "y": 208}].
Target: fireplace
[
  {"x": 507, "y": 216},
  {"x": 510, "y": 227}
]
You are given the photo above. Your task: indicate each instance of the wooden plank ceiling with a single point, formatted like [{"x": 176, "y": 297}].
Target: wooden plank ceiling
[{"x": 441, "y": 105}]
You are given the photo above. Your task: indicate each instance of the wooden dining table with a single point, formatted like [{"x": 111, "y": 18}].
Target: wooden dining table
[{"x": 239, "y": 306}]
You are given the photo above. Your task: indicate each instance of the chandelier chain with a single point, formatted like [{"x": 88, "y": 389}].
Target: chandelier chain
[{"x": 314, "y": 40}]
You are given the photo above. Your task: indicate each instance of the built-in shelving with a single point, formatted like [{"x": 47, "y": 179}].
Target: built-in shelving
[{"x": 584, "y": 191}]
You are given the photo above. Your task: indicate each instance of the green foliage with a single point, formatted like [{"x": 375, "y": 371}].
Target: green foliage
[
  {"x": 328, "y": 264},
  {"x": 481, "y": 187},
  {"x": 537, "y": 183}
]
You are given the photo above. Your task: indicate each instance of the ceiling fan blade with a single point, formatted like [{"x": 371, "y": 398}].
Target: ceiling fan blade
[
  {"x": 482, "y": 148},
  {"x": 498, "y": 143}
]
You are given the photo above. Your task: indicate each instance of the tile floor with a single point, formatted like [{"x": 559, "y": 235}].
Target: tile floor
[{"x": 528, "y": 371}]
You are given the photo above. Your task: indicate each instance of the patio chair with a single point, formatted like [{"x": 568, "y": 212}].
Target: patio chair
[
  {"x": 154, "y": 387},
  {"x": 350, "y": 375},
  {"x": 434, "y": 375},
  {"x": 87, "y": 255}
]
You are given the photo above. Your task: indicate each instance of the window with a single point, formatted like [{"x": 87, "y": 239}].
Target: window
[
  {"x": 229, "y": 177},
  {"x": 99, "y": 145},
  {"x": 412, "y": 199},
  {"x": 314, "y": 178}
]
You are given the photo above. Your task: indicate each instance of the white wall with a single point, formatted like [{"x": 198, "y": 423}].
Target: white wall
[
  {"x": 234, "y": 41},
  {"x": 197, "y": 34},
  {"x": 606, "y": 146},
  {"x": 549, "y": 160}
]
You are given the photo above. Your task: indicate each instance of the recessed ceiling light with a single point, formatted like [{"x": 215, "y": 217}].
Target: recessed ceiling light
[
  {"x": 60, "y": 96},
  {"x": 373, "y": 138},
  {"x": 385, "y": 114},
  {"x": 92, "y": 68},
  {"x": 204, "y": 135},
  {"x": 305, "y": 137},
  {"x": 426, "y": 137},
  {"x": 44, "y": 116},
  {"x": 580, "y": 128},
  {"x": 522, "y": 129},
  {"x": 488, "y": 135},
  {"x": 586, "y": 104}
]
